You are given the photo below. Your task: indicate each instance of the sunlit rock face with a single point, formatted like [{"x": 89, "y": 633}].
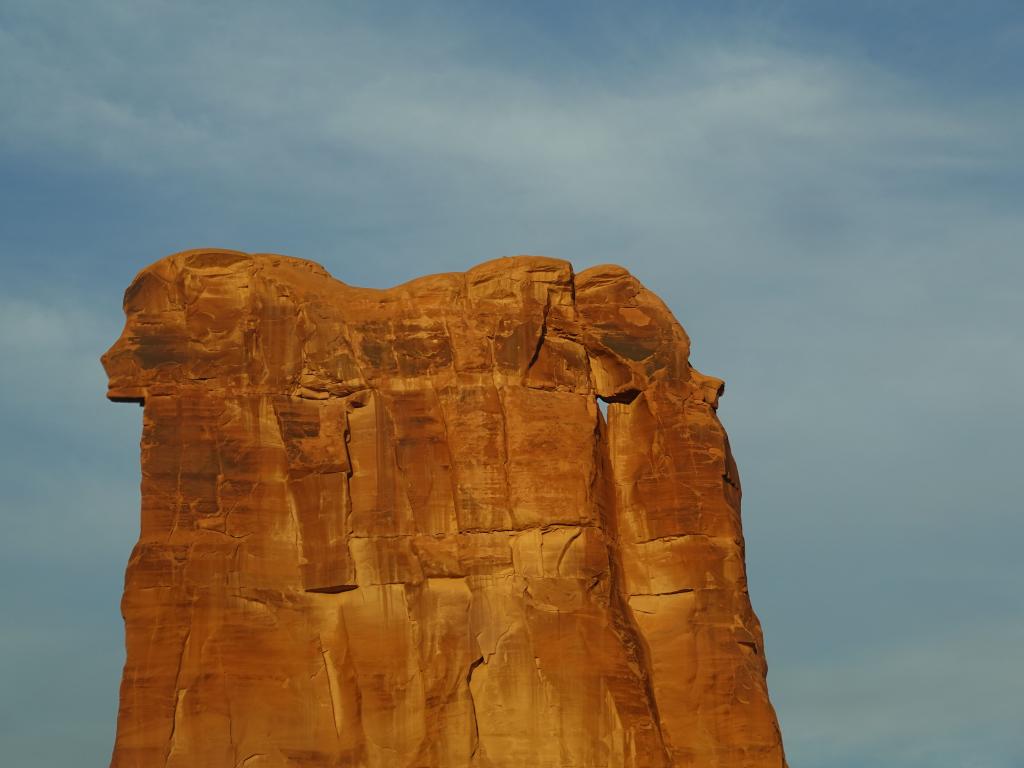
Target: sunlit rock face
[{"x": 394, "y": 528}]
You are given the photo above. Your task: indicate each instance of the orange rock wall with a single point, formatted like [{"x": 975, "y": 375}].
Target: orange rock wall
[{"x": 393, "y": 528}]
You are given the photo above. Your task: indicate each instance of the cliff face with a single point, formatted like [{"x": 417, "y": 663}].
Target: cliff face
[{"x": 393, "y": 527}]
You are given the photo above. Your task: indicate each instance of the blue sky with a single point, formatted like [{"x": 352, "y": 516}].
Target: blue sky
[{"x": 828, "y": 196}]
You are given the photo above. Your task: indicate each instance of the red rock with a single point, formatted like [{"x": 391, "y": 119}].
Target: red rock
[{"x": 393, "y": 528}]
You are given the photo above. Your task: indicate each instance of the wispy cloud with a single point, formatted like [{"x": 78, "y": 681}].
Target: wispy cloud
[{"x": 213, "y": 92}]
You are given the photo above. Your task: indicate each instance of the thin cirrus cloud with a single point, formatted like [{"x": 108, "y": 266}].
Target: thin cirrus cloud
[{"x": 836, "y": 225}]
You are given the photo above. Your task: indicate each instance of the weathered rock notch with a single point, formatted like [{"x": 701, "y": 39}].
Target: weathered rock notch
[{"x": 394, "y": 528}]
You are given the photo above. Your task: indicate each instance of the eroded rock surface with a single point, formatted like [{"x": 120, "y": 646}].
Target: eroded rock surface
[{"x": 393, "y": 527}]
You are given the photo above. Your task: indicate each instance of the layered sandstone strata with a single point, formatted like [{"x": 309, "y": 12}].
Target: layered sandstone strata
[{"x": 394, "y": 527}]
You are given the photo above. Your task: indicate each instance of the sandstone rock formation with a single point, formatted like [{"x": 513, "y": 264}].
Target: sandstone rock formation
[{"x": 393, "y": 527}]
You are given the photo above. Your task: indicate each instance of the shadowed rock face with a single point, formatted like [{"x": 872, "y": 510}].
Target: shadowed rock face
[{"x": 393, "y": 527}]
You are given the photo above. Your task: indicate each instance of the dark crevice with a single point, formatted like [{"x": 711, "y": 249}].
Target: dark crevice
[
  {"x": 333, "y": 589},
  {"x": 117, "y": 399},
  {"x": 680, "y": 591},
  {"x": 625, "y": 397},
  {"x": 472, "y": 704},
  {"x": 541, "y": 336}
]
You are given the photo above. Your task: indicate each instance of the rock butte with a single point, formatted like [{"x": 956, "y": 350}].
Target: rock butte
[{"x": 394, "y": 528}]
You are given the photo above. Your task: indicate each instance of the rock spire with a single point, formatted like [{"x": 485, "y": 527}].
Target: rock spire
[{"x": 388, "y": 528}]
